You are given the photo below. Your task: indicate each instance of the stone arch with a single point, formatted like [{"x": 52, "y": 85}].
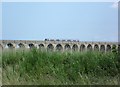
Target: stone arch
[
  {"x": 41, "y": 46},
  {"x": 89, "y": 47},
  {"x": 114, "y": 48},
  {"x": 102, "y": 48},
  {"x": 21, "y": 45},
  {"x": 96, "y": 47},
  {"x": 50, "y": 47},
  {"x": 59, "y": 47},
  {"x": 108, "y": 48},
  {"x": 75, "y": 47},
  {"x": 67, "y": 47},
  {"x": 10, "y": 45},
  {"x": 82, "y": 47},
  {"x": 31, "y": 45}
]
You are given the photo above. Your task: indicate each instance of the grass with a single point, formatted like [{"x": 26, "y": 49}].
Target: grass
[{"x": 37, "y": 67}]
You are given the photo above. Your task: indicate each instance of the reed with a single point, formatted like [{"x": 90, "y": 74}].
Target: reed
[{"x": 37, "y": 67}]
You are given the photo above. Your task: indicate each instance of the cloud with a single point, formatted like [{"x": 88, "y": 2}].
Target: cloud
[{"x": 115, "y": 4}]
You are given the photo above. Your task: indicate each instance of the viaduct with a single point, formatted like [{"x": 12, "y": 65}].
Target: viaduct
[{"x": 59, "y": 45}]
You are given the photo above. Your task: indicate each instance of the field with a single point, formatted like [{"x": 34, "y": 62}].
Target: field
[{"x": 38, "y": 67}]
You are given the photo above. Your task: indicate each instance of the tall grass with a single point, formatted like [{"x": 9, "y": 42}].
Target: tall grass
[{"x": 60, "y": 68}]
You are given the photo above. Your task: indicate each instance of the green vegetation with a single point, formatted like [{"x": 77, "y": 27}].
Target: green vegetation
[{"x": 37, "y": 67}]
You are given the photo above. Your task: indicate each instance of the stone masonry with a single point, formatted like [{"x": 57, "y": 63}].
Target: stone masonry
[{"x": 58, "y": 45}]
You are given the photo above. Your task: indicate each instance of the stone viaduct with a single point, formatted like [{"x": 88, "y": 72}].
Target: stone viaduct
[{"x": 58, "y": 45}]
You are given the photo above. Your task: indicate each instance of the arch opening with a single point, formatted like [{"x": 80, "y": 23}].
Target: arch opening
[
  {"x": 82, "y": 47},
  {"x": 10, "y": 45},
  {"x": 41, "y": 46},
  {"x": 89, "y": 47},
  {"x": 102, "y": 48},
  {"x": 96, "y": 47},
  {"x": 75, "y": 47},
  {"x": 21, "y": 45},
  {"x": 108, "y": 49},
  {"x": 31, "y": 45},
  {"x": 50, "y": 47},
  {"x": 67, "y": 47},
  {"x": 114, "y": 48},
  {"x": 59, "y": 47}
]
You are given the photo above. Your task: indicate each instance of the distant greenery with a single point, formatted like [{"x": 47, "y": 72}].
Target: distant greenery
[{"x": 38, "y": 67}]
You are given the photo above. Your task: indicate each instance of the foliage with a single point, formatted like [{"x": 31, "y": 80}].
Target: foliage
[{"x": 60, "y": 68}]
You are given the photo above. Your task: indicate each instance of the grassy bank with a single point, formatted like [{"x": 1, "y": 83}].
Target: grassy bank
[{"x": 57, "y": 68}]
